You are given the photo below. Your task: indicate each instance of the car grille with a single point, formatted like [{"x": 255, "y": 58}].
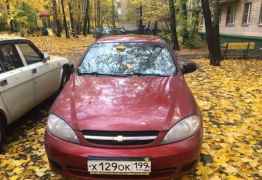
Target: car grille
[{"x": 120, "y": 138}]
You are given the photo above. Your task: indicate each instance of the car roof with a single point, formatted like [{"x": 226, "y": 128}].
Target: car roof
[
  {"x": 8, "y": 38},
  {"x": 4, "y": 37},
  {"x": 132, "y": 38}
]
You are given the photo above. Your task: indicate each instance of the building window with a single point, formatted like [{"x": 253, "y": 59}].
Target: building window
[
  {"x": 260, "y": 17},
  {"x": 201, "y": 20},
  {"x": 231, "y": 13},
  {"x": 247, "y": 13},
  {"x": 220, "y": 16}
]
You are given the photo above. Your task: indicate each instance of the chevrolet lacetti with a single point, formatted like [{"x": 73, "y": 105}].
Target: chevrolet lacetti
[{"x": 126, "y": 112}]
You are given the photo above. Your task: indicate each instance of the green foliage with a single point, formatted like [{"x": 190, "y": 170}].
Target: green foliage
[
  {"x": 3, "y": 21},
  {"x": 187, "y": 13},
  {"x": 187, "y": 20},
  {"x": 26, "y": 17},
  {"x": 153, "y": 11},
  {"x": 106, "y": 12},
  {"x": 193, "y": 41}
]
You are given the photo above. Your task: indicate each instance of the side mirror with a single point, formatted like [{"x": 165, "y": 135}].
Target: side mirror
[
  {"x": 68, "y": 69},
  {"x": 188, "y": 67},
  {"x": 46, "y": 57}
]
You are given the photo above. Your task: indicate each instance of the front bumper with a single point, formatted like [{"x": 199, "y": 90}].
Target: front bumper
[{"x": 167, "y": 160}]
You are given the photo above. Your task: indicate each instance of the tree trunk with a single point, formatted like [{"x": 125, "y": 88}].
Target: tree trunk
[
  {"x": 58, "y": 29},
  {"x": 98, "y": 13},
  {"x": 86, "y": 26},
  {"x": 155, "y": 30},
  {"x": 95, "y": 13},
  {"x": 72, "y": 20},
  {"x": 113, "y": 14},
  {"x": 217, "y": 33},
  {"x": 195, "y": 17},
  {"x": 7, "y": 7},
  {"x": 141, "y": 24},
  {"x": 173, "y": 24},
  {"x": 185, "y": 33},
  {"x": 64, "y": 19},
  {"x": 79, "y": 15},
  {"x": 212, "y": 33},
  {"x": 8, "y": 15}
]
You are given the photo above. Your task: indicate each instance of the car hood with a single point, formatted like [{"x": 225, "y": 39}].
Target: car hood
[{"x": 124, "y": 103}]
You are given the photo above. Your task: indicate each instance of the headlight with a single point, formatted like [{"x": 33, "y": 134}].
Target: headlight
[
  {"x": 183, "y": 129},
  {"x": 59, "y": 128}
]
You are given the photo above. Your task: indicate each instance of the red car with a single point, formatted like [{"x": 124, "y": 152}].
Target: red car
[{"x": 126, "y": 112}]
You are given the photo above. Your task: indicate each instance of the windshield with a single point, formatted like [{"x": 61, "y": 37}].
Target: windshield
[{"x": 128, "y": 59}]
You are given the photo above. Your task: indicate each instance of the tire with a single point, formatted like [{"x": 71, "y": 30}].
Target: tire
[{"x": 2, "y": 135}]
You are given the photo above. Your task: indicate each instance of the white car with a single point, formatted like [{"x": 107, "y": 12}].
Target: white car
[{"x": 27, "y": 77}]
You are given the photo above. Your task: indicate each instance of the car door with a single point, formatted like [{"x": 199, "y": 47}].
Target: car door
[
  {"x": 16, "y": 85},
  {"x": 46, "y": 73}
]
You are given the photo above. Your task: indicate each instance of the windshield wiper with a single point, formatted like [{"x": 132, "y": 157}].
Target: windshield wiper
[
  {"x": 90, "y": 73},
  {"x": 121, "y": 75},
  {"x": 101, "y": 74},
  {"x": 143, "y": 74}
]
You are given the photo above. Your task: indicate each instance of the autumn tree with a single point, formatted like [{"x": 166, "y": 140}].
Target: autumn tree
[
  {"x": 212, "y": 30},
  {"x": 184, "y": 21},
  {"x": 98, "y": 13},
  {"x": 194, "y": 17},
  {"x": 16, "y": 14},
  {"x": 188, "y": 22},
  {"x": 113, "y": 14},
  {"x": 153, "y": 13},
  {"x": 26, "y": 16},
  {"x": 78, "y": 16},
  {"x": 58, "y": 29},
  {"x": 172, "y": 12},
  {"x": 86, "y": 25},
  {"x": 64, "y": 19},
  {"x": 141, "y": 24},
  {"x": 71, "y": 16}
]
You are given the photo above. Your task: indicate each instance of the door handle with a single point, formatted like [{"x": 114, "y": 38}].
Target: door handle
[
  {"x": 34, "y": 71},
  {"x": 3, "y": 83}
]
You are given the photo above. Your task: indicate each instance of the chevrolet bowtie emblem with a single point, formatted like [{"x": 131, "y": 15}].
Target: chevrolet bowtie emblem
[{"x": 119, "y": 138}]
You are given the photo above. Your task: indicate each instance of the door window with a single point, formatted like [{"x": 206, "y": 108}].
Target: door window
[
  {"x": 2, "y": 70},
  {"x": 30, "y": 54},
  {"x": 10, "y": 59}
]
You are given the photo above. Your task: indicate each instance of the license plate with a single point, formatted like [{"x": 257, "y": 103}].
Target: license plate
[{"x": 119, "y": 166}]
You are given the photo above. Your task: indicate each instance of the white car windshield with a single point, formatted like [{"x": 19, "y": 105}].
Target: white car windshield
[{"x": 128, "y": 59}]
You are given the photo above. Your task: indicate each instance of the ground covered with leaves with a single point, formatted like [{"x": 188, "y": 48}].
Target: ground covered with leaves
[{"x": 230, "y": 98}]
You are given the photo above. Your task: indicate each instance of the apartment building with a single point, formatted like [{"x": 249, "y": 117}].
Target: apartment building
[{"x": 241, "y": 20}]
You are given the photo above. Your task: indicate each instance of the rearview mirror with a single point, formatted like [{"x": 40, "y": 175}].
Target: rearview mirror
[{"x": 46, "y": 57}]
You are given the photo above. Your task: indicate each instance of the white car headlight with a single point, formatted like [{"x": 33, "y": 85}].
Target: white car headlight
[
  {"x": 183, "y": 129},
  {"x": 59, "y": 128}
]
